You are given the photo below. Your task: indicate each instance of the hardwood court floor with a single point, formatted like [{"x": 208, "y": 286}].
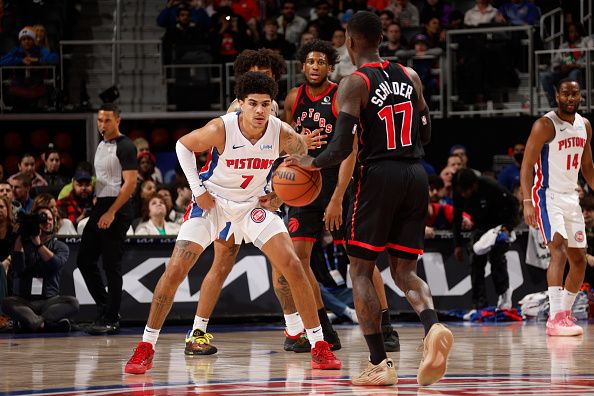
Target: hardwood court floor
[{"x": 499, "y": 359}]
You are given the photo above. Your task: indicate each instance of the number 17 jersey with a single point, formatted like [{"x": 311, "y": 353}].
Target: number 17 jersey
[{"x": 390, "y": 120}]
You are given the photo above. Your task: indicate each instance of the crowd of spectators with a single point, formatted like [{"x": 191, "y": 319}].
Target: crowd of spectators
[{"x": 412, "y": 30}]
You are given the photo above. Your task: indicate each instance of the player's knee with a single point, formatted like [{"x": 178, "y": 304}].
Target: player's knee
[
  {"x": 292, "y": 267},
  {"x": 558, "y": 248},
  {"x": 175, "y": 273}
]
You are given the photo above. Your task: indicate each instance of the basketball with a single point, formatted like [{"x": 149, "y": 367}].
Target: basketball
[{"x": 296, "y": 186}]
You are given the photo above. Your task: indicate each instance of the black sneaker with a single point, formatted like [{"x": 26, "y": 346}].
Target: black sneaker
[
  {"x": 61, "y": 326},
  {"x": 302, "y": 345},
  {"x": 105, "y": 328},
  {"x": 391, "y": 339},
  {"x": 291, "y": 341}
]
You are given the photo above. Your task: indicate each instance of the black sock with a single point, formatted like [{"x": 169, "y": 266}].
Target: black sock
[
  {"x": 385, "y": 317},
  {"x": 375, "y": 343},
  {"x": 428, "y": 318},
  {"x": 324, "y": 321}
]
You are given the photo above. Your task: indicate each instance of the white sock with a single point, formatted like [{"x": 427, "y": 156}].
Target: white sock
[
  {"x": 555, "y": 300},
  {"x": 200, "y": 323},
  {"x": 150, "y": 335},
  {"x": 567, "y": 300},
  {"x": 294, "y": 324},
  {"x": 314, "y": 335}
]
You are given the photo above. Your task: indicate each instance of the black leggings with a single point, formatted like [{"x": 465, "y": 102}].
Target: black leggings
[{"x": 31, "y": 314}]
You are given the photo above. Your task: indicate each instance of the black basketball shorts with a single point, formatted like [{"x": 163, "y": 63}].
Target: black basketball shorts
[
  {"x": 388, "y": 210},
  {"x": 306, "y": 223}
]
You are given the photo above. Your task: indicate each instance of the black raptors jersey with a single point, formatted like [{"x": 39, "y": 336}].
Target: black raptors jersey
[
  {"x": 311, "y": 113},
  {"x": 390, "y": 121}
]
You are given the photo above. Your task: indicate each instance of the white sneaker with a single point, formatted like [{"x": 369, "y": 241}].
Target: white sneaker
[
  {"x": 505, "y": 300},
  {"x": 351, "y": 314}
]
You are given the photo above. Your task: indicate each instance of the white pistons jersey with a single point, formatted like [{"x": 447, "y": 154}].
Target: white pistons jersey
[
  {"x": 559, "y": 164},
  {"x": 243, "y": 170}
]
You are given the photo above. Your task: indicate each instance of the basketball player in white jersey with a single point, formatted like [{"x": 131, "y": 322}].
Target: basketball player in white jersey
[
  {"x": 557, "y": 149},
  {"x": 226, "y": 200},
  {"x": 198, "y": 341}
]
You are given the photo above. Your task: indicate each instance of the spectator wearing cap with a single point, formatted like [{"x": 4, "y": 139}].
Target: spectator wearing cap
[
  {"x": 27, "y": 53},
  {"x": 78, "y": 204},
  {"x": 142, "y": 145}
]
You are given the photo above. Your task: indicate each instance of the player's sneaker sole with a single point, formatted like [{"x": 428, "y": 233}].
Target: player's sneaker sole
[{"x": 437, "y": 346}]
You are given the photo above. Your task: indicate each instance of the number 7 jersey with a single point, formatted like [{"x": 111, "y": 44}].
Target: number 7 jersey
[
  {"x": 560, "y": 159},
  {"x": 390, "y": 120},
  {"x": 243, "y": 170}
]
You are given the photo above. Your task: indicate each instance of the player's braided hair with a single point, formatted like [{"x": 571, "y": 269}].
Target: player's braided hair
[
  {"x": 367, "y": 26},
  {"x": 262, "y": 58},
  {"x": 325, "y": 47},
  {"x": 255, "y": 83}
]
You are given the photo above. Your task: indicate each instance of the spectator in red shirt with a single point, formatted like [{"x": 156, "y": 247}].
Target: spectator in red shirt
[{"x": 77, "y": 205}]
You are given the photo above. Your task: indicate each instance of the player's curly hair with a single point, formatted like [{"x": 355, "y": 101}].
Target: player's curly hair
[
  {"x": 263, "y": 57},
  {"x": 255, "y": 83},
  {"x": 367, "y": 26},
  {"x": 325, "y": 47}
]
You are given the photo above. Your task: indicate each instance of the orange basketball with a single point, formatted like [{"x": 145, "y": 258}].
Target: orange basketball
[{"x": 296, "y": 186}]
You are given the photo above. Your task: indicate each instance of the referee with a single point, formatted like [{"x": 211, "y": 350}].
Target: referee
[{"x": 105, "y": 233}]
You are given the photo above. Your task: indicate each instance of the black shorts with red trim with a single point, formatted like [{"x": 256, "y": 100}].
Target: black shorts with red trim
[
  {"x": 307, "y": 222},
  {"x": 388, "y": 210}
]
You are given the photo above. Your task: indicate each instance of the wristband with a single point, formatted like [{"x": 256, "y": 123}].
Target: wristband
[{"x": 527, "y": 200}]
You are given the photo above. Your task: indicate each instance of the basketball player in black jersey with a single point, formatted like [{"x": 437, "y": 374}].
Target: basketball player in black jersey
[
  {"x": 390, "y": 204},
  {"x": 310, "y": 107}
]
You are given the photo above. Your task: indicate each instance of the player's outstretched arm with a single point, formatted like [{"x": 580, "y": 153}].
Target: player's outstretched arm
[
  {"x": 291, "y": 142},
  {"x": 197, "y": 141},
  {"x": 425, "y": 125},
  {"x": 587, "y": 165},
  {"x": 542, "y": 132}
]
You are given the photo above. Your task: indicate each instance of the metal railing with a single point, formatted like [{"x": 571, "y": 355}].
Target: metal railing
[
  {"x": 555, "y": 20},
  {"x": 588, "y": 83},
  {"x": 51, "y": 81},
  {"x": 115, "y": 50},
  {"x": 586, "y": 18},
  {"x": 451, "y": 47}
]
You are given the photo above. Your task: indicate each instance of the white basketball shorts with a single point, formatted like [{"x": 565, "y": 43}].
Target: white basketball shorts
[
  {"x": 560, "y": 213},
  {"x": 247, "y": 221}
]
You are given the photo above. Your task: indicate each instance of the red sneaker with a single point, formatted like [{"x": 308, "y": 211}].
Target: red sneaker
[
  {"x": 141, "y": 360},
  {"x": 322, "y": 358}
]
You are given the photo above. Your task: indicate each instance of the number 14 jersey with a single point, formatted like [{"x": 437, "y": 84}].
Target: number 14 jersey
[
  {"x": 390, "y": 121},
  {"x": 560, "y": 159}
]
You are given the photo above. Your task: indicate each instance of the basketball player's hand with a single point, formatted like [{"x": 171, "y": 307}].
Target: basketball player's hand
[
  {"x": 429, "y": 232},
  {"x": 205, "y": 201},
  {"x": 270, "y": 202},
  {"x": 459, "y": 253},
  {"x": 105, "y": 220},
  {"x": 530, "y": 214},
  {"x": 589, "y": 260},
  {"x": 315, "y": 139},
  {"x": 303, "y": 161},
  {"x": 333, "y": 215}
]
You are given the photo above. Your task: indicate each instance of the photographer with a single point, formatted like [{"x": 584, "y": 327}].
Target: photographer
[{"x": 37, "y": 260}]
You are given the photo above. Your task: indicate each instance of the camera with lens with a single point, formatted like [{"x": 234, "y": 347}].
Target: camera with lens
[{"x": 29, "y": 223}]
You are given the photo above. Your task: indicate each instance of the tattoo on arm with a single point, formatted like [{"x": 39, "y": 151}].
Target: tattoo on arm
[{"x": 293, "y": 143}]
